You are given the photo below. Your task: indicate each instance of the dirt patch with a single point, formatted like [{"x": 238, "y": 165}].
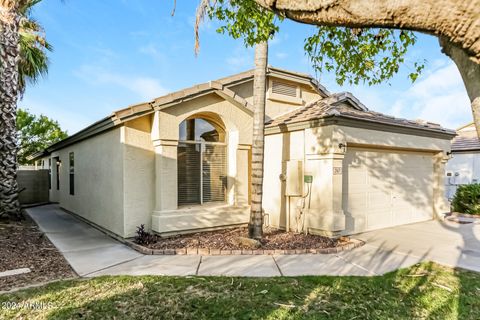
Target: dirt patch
[
  {"x": 23, "y": 245},
  {"x": 273, "y": 239}
]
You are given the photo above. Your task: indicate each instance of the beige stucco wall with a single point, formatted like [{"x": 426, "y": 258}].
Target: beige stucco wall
[
  {"x": 138, "y": 174},
  {"x": 277, "y": 106},
  {"x": 237, "y": 122},
  {"x": 114, "y": 178},
  {"x": 99, "y": 181},
  {"x": 279, "y": 148},
  {"x": 381, "y": 138}
]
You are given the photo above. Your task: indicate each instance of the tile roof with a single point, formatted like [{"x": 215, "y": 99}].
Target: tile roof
[
  {"x": 466, "y": 139},
  {"x": 345, "y": 105}
]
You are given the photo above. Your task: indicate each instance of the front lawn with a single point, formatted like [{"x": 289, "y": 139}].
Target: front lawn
[{"x": 423, "y": 291}]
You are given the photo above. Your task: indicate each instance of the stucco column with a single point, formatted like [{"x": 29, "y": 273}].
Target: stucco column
[
  {"x": 165, "y": 174},
  {"x": 326, "y": 215},
  {"x": 440, "y": 202},
  {"x": 242, "y": 181},
  {"x": 337, "y": 188}
]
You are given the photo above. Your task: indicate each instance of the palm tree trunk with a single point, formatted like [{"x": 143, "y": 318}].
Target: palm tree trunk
[
  {"x": 255, "y": 227},
  {"x": 9, "y": 55}
]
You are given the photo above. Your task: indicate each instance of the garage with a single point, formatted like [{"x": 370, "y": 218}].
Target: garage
[
  {"x": 363, "y": 170},
  {"x": 385, "y": 188}
]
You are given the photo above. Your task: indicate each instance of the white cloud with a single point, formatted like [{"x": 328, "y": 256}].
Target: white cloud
[
  {"x": 439, "y": 97},
  {"x": 145, "y": 87}
]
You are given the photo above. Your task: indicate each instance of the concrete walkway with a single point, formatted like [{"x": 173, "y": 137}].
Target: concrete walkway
[{"x": 92, "y": 253}]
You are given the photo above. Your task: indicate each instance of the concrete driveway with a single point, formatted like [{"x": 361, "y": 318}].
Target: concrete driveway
[
  {"x": 446, "y": 242},
  {"x": 92, "y": 253}
]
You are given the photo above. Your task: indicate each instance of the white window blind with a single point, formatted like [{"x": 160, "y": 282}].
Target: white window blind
[
  {"x": 188, "y": 160},
  {"x": 201, "y": 172},
  {"x": 214, "y": 168}
]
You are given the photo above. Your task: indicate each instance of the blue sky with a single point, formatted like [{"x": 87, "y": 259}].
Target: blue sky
[{"x": 113, "y": 53}]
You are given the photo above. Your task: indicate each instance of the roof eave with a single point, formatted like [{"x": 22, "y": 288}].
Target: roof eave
[
  {"x": 92, "y": 130},
  {"x": 340, "y": 119}
]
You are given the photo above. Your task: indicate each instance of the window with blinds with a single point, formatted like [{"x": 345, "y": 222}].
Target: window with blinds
[
  {"x": 214, "y": 168},
  {"x": 188, "y": 159},
  {"x": 201, "y": 163},
  {"x": 283, "y": 88}
]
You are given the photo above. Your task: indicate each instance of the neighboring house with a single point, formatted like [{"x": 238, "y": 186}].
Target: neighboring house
[
  {"x": 181, "y": 162},
  {"x": 464, "y": 166}
]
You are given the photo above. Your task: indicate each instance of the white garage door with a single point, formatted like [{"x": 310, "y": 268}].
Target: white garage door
[{"x": 383, "y": 188}]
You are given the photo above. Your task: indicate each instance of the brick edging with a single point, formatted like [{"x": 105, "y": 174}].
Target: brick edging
[{"x": 354, "y": 243}]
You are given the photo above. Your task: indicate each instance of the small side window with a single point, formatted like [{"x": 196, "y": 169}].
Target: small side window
[
  {"x": 72, "y": 173},
  {"x": 58, "y": 162},
  {"x": 50, "y": 173}
]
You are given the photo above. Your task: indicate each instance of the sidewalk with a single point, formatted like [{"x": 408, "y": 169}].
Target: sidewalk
[{"x": 93, "y": 253}]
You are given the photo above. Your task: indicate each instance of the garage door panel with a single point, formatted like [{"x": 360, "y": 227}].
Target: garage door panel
[
  {"x": 357, "y": 203},
  {"x": 387, "y": 188},
  {"x": 378, "y": 183},
  {"x": 378, "y": 161},
  {"x": 378, "y": 219},
  {"x": 403, "y": 216},
  {"x": 378, "y": 200},
  {"x": 357, "y": 176}
]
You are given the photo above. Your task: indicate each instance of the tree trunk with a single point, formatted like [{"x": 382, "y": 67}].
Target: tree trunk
[
  {"x": 255, "y": 227},
  {"x": 470, "y": 72},
  {"x": 456, "y": 20},
  {"x": 9, "y": 55}
]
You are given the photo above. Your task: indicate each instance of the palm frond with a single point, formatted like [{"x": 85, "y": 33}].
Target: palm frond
[
  {"x": 25, "y": 6},
  {"x": 200, "y": 15},
  {"x": 33, "y": 62}
]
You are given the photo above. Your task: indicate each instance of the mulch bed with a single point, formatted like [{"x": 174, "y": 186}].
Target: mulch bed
[
  {"x": 23, "y": 245},
  {"x": 273, "y": 239}
]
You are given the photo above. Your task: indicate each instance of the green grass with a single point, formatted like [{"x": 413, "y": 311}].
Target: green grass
[{"x": 423, "y": 291}]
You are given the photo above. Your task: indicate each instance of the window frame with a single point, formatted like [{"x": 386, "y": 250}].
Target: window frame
[
  {"x": 49, "y": 173},
  {"x": 71, "y": 173},
  {"x": 202, "y": 143},
  {"x": 58, "y": 164}
]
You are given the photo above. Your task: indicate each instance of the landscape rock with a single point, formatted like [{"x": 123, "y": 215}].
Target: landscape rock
[{"x": 246, "y": 242}]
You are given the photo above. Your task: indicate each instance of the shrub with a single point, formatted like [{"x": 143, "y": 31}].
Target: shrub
[
  {"x": 467, "y": 199},
  {"x": 144, "y": 237}
]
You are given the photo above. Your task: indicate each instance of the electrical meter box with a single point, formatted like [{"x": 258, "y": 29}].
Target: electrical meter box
[
  {"x": 308, "y": 178},
  {"x": 294, "y": 181}
]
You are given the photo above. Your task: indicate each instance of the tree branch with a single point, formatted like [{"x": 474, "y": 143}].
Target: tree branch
[{"x": 456, "y": 20}]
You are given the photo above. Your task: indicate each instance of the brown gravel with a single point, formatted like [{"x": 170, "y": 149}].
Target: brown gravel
[
  {"x": 23, "y": 245},
  {"x": 223, "y": 239}
]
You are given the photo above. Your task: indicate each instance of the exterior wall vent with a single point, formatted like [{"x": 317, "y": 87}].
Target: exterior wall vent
[{"x": 284, "y": 89}]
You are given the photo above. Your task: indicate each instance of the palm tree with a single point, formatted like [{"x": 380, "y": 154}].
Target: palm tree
[
  {"x": 255, "y": 226},
  {"x": 23, "y": 58}
]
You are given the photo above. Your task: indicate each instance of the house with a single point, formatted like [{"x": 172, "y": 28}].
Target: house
[
  {"x": 181, "y": 162},
  {"x": 464, "y": 166}
]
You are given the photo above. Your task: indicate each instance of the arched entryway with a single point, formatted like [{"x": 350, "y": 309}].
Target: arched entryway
[{"x": 202, "y": 160}]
